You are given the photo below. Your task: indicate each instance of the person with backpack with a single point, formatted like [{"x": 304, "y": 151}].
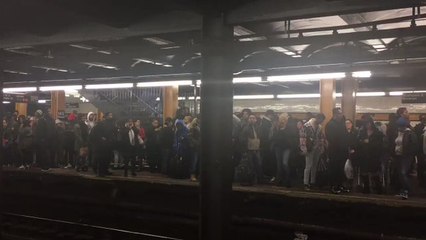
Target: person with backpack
[{"x": 406, "y": 145}]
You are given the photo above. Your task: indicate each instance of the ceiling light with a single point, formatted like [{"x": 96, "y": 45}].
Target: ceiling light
[
  {"x": 42, "y": 101},
  {"x": 192, "y": 98},
  {"x": 306, "y": 77},
  {"x": 21, "y": 89},
  {"x": 101, "y": 65},
  {"x": 245, "y": 97},
  {"x": 85, "y": 47},
  {"x": 247, "y": 80},
  {"x": 165, "y": 83},
  {"x": 16, "y": 72},
  {"x": 109, "y": 86},
  {"x": 399, "y": 93},
  {"x": 157, "y": 41},
  {"x": 181, "y": 98},
  {"x": 6, "y": 102},
  {"x": 370, "y": 94},
  {"x": 361, "y": 74},
  {"x": 61, "y": 88},
  {"x": 307, "y": 95}
]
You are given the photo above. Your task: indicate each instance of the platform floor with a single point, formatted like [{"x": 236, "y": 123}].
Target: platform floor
[{"x": 416, "y": 199}]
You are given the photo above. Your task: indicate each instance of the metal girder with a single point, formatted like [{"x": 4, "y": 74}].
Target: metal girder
[
  {"x": 278, "y": 10},
  {"x": 342, "y": 37}
]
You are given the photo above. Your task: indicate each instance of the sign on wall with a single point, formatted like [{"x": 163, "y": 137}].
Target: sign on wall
[{"x": 413, "y": 98}]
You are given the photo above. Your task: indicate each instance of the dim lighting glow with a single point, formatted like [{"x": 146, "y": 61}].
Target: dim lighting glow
[
  {"x": 361, "y": 74},
  {"x": 307, "y": 95},
  {"x": 245, "y": 97},
  {"x": 109, "y": 86},
  {"x": 370, "y": 94},
  {"x": 61, "y": 88},
  {"x": 247, "y": 80},
  {"x": 165, "y": 83},
  {"x": 20, "y": 89},
  {"x": 306, "y": 77}
]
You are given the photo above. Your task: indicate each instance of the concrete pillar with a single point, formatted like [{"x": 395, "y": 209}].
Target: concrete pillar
[
  {"x": 170, "y": 101},
  {"x": 22, "y": 108},
  {"x": 327, "y": 99},
  {"x": 216, "y": 129},
  {"x": 349, "y": 89},
  {"x": 57, "y": 103}
]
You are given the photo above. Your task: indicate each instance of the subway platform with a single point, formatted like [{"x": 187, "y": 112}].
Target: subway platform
[{"x": 155, "y": 204}]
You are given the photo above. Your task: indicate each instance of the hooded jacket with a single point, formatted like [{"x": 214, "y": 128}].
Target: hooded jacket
[{"x": 90, "y": 124}]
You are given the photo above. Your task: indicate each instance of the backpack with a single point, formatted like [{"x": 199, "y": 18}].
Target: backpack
[{"x": 244, "y": 172}]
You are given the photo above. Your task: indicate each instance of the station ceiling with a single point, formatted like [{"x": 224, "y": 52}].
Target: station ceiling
[{"x": 62, "y": 42}]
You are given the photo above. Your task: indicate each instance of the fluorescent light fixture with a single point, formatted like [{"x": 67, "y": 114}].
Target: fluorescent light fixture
[
  {"x": 306, "y": 77},
  {"x": 6, "y": 102},
  {"x": 181, "y": 98},
  {"x": 165, "y": 83},
  {"x": 192, "y": 98},
  {"x": 400, "y": 93},
  {"x": 370, "y": 94},
  {"x": 307, "y": 95},
  {"x": 247, "y": 80},
  {"x": 61, "y": 88},
  {"x": 246, "y": 97},
  {"x": 361, "y": 74},
  {"x": 20, "y": 89},
  {"x": 42, "y": 101},
  {"x": 109, "y": 86}
]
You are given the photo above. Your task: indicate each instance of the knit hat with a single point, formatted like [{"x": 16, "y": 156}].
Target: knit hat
[
  {"x": 402, "y": 122},
  {"x": 39, "y": 112}
]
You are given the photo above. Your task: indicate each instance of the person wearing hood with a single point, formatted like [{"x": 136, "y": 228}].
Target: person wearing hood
[
  {"x": 406, "y": 147},
  {"x": 91, "y": 121}
]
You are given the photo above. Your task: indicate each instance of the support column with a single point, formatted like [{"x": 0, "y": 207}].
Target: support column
[
  {"x": 216, "y": 129},
  {"x": 170, "y": 101},
  {"x": 22, "y": 108},
  {"x": 349, "y": 89},
  {"x": 58, "y": 103},
  {"x": 328, "y": 96},
  {"x": 1, "y": 128}
]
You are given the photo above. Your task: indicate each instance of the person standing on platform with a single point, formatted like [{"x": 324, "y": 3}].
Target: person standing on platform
[
  {"x": 128, "y": 145},
  {"x": 41, "y": 138},
  {"x": 194, "y": 147},
  {"x": 166, "y": 138},
  {"x": 25, "y": 144},
  {"x": 420, "y": 129},
  {"x": 370, "y": 149},
  {"x": 315, "y": 145},
  {"x": 265, "y": 143},
  {"x": 282, "y": 138},
  {"x": 352, "y": 139},
  {"x": 335, "y": 132},
  {"x": 102, "y": 139},
  {"x": 250, "y": 139},
  {"x": 406, "y": 147},
  {"x": 153, "y": 146}
]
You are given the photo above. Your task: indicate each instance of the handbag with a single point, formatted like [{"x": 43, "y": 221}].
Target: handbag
[{"x": 253, "y": 144}]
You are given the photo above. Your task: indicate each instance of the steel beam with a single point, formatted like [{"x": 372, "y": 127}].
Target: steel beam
[
  {"x": 278, "y": 10},
  {"x": 216, "y": 129}
]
